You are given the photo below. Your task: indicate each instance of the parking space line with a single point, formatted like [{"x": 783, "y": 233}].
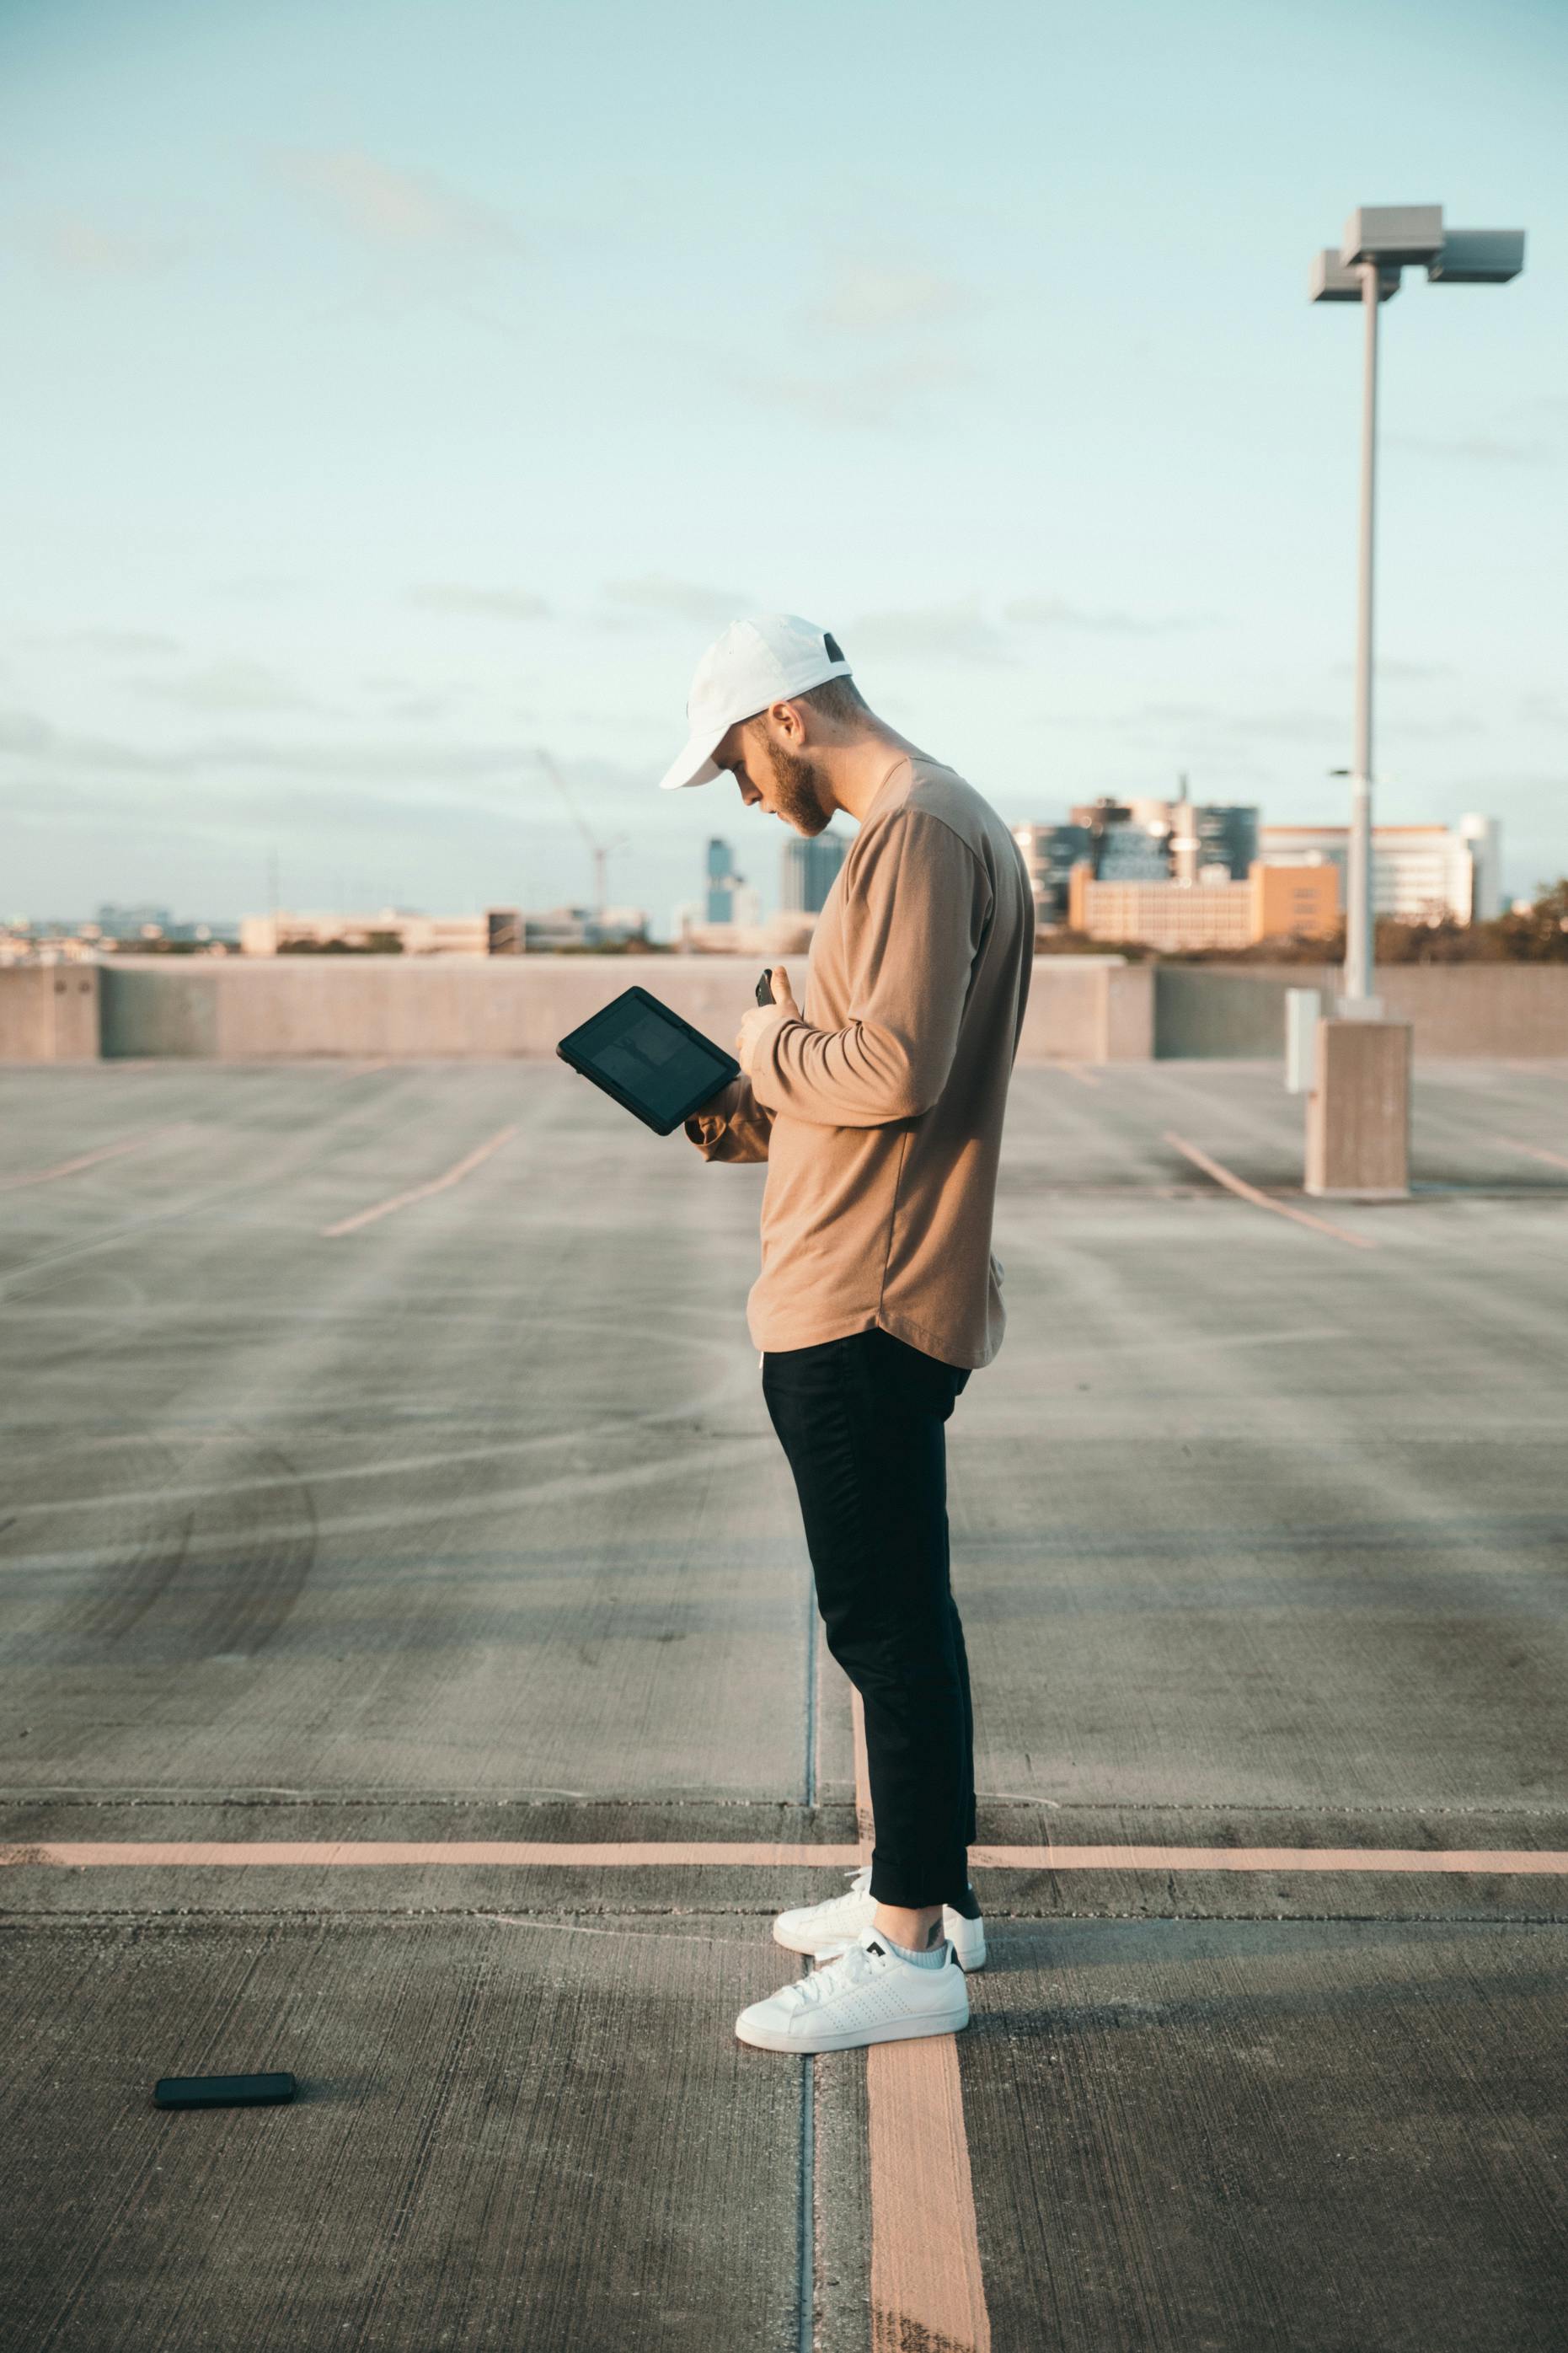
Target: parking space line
[
  {"x": 70, "y": 1168},
  {"x": 927, "y": 2287},
  {"x": 1539, "y": 1861},
  {"x": 421, "y": 1192},
  {"x": 1536, "y": 1151},
  {"x": 1238, "y": 1185},
  {"x": 642, "y": 1854},
  {"x": 365, "y": 1853}
]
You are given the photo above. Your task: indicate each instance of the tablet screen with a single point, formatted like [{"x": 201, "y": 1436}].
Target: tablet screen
[{"x": 663, "y": 1067}]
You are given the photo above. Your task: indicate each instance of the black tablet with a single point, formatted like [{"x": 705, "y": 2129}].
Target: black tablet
[{"x": 649, "y": 1060}]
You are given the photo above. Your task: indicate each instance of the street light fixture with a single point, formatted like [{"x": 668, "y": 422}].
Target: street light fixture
[{"x": 1380, "y": 241}]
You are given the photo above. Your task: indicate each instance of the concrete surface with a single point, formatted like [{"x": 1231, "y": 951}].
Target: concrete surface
[{"x": 468, "y": 1525}]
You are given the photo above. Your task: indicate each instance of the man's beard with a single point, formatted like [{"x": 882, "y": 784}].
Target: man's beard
[{"x": 801, "y": 788}]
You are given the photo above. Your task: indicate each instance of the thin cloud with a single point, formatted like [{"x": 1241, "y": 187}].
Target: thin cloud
[
  {"x": 40, "y": 745},
  {"x": 933, "y": 633},
  {"x": 677, "y": 600},
  {"x": 882, "y": 398},
  {"x": 1392, "y": 669},
  {"x": 224, "y": 686},
  {"x": 1056, "y": 613},
  {"x": 1475, "y": 449},
  {"x": 865, "y": 299},
  {"x": 86, "y": 246},
  {"x": 429, "y": 768},
  {"x": 481, "y": 603},
  {"x": 130, "y": 643},
  {"x": 259, "y": 587},
  {"x": 219, "y": 783},
  {"x": 403, "y": 212}
]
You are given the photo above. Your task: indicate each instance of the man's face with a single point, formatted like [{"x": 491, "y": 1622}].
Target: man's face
[{"x": 774, "y": 778}]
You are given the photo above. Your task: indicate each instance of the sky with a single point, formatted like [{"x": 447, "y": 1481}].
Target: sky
[{"x": 395, "y": 389}]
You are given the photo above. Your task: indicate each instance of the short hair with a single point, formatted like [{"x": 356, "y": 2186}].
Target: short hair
[{"x": 839, "y": 699}]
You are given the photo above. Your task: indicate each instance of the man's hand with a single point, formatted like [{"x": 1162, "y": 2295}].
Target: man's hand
[{"x": 760, "y": 1016}]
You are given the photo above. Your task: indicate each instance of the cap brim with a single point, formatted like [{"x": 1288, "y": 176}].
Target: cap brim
[{"x": 696, "y": 765}]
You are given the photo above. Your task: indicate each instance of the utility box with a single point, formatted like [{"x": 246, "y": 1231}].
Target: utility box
[
  {"x": 1303, "y": 1010},
  {"x": 1358, "y": 1113}
]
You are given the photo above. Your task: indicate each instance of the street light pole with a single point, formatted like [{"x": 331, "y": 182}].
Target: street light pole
[
  {"x": 1358, "y": 1110},
  {"x": 1380, "y": 242},
  {"x": 1358, "y": 865}
]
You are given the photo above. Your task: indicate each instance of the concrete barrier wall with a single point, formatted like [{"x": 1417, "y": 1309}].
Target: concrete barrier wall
[
  {"x": 49, "y": 1013},
  {"x": 437, "y": 1007},
  {"x": 1480, "y": 1008},
  {"x": 433, "y": 1008},
  {"x": 1206, "y": 1015},
  {"x": 1205, "y": 1011}
]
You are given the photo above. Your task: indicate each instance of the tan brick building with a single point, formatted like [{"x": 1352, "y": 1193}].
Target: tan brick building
[{"x": 1272, "y": 902}]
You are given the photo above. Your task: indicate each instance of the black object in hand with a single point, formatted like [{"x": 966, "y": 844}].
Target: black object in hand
[
  {"x": 765, "y": 986},
  {"x": 222, "y": 2091}
]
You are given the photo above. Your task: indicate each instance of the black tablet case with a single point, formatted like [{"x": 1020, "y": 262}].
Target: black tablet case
[{"x": 681, "y": 1073}]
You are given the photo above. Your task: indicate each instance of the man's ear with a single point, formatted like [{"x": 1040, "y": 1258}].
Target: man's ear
[{"x": 789, "y": 718}]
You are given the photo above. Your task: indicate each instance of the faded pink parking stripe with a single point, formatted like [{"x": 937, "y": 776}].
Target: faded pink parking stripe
[
  {"x": 94, "y": 1854},
  {"x": 453, "y": 1176},
  {"x": 362, "y": 1853},
  {"x": 1245, "y": 1192},
  {"x": 1540, "y": 1860},
  {"x": 927, "y": 2287},
  {"x": 70, "y": 1168},
  {"x": 1536, "y": 1151}
]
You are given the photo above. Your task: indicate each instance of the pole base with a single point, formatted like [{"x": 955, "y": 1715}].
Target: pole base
[{"x": 1358, "y": 1113}]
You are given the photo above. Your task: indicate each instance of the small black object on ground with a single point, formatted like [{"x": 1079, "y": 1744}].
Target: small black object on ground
[{"x": 222, "y": 2091}]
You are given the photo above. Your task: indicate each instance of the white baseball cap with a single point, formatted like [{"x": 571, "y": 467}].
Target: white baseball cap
[{"x": 763, "y": 659}]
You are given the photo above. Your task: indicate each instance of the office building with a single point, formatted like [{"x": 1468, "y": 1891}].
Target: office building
[
  {"x": 1273, "y": 902},
  {"x": 806, "y": 872},
  {"x": 1150, "y": 841},
  {"x": 1145, "y": 840},
  {"x": 550, "y": 930},
  {"x": 728, "y": 911},
  {"x": 1227, "y": 835},
  {"x": 393, "y": 930},
  {"x": 723, "y": 886},
  {"x": 1050, "y": 853},
  {"x": 1420, "y": 873},
  {"x": 143, "y": 921}
]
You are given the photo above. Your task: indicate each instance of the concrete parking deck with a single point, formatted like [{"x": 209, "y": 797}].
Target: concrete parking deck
[{"x": 411, "y": 1682}]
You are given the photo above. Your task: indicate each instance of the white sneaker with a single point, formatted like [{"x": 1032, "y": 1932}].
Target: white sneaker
[
  {"x": 867, "y": 1995},
  {"x": 825, "y": 1930}
]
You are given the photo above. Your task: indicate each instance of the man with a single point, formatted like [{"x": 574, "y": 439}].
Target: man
[{"x": 877, "y": 1106}]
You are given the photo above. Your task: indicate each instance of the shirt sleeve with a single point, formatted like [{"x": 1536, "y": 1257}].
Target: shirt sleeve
[
  {"x": 909, "y": 978},
  {"x": 734, "y": 1126}
]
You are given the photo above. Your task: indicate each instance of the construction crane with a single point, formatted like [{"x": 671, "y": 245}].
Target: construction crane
[{"x": 601, "y": 851}]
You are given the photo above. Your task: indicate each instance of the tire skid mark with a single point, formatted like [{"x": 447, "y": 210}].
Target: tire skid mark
[{"x": 201, "y": 1583}]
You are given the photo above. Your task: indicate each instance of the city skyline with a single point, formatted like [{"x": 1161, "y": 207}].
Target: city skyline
[{"x": 378, "y": 419}]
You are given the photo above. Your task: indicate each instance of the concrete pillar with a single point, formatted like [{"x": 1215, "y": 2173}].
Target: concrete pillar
[
  {"x": 1358, "y": 1113},
  {"x": 1127, "y": 1014},
  {"x": 49, "y": 1013}
]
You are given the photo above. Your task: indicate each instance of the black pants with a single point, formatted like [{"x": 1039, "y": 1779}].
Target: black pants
[{"x": 862, "y": 1421}]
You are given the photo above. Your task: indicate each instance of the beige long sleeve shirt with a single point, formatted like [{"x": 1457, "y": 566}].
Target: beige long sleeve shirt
[{"x": 879, "y": 1110}]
